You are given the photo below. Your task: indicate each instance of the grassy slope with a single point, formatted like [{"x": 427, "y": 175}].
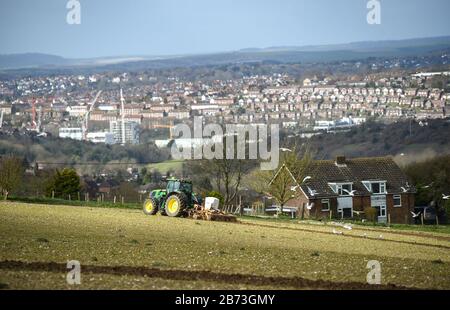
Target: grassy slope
[
  {"x": 174, "y": 165},
  {"x": 120, "y": 237}
]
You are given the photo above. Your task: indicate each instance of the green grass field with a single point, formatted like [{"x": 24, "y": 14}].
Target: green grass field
[
  {"x": 164, "y": 167},
  {"x": 124, "y": 249}
]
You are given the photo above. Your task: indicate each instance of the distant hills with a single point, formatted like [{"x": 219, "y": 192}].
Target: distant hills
[
  {"x": 304, "y": 54},
  {"x": 28, "y": 60}
]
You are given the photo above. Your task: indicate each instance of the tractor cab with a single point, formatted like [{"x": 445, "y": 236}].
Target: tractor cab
[{"x": 174, "y": 185}]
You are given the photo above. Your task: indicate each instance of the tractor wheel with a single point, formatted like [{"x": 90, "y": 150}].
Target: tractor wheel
[
  {"x": 175, "y": 205},
  {"x": 150, "y": 206}
]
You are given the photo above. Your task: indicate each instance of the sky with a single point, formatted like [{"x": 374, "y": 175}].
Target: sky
[{"x": 175, "y": 27}]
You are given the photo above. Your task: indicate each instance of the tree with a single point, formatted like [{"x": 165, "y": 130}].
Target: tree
[
  {"x": 282, "y": 183},
  {"x": 64, "y": 183},
  {"x": 432, "y": 180},
  {"x": 11, "y": 172},
  {"x": 223, "y": 175}
]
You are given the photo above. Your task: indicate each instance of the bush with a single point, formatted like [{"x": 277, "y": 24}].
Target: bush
[{"x": 371, "y": 214}]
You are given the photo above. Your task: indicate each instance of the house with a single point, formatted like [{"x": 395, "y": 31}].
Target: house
[
  {"x": 107, "y": 186},
  {"x": 348, "y": 188}
]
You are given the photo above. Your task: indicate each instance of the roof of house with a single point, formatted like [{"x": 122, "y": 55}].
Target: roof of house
[{"x": 355, "y": 171}]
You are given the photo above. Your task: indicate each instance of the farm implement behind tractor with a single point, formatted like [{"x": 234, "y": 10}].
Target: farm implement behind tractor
[{"x": 179, "y": 200}]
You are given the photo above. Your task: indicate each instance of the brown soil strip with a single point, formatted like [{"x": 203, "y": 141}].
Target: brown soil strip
[
  {"x": 185, "y": 275},
  {"x": 441, "y": 246}
]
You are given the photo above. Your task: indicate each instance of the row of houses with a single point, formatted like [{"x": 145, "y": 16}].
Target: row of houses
[{"x": 350, "y": 188}]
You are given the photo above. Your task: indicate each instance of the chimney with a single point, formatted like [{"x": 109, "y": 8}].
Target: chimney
[{"x": 340, "y": 161}]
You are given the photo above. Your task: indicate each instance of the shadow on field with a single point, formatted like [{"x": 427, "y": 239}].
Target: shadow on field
[{"x": 184, "y": 275}]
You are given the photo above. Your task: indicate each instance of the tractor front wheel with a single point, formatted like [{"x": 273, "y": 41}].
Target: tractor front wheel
[
  {"x": 175, "y": 205},
  {"x": 150, "y": 206}
]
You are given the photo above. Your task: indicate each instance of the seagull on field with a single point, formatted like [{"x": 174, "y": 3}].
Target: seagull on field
[
  {"x": 415, "y": 215},
  {"x": 381, "y": 237},
  {"x": 349, "y": 227},
  {"x": 445, "y": 197},
  {"x": 364, "y": 235},
  {"x": 337, "y": 232}
]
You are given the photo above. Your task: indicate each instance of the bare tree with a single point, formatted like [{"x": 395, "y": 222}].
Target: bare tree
[
  {"x": 224, "y": 175},
  {"x": 283, "y": 183},
  {"x": 11, "y": 172}
]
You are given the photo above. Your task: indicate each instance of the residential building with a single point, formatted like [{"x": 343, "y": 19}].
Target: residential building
[
  {"x": 131, "y": 135},
  {"x": 350, "y": 188}
]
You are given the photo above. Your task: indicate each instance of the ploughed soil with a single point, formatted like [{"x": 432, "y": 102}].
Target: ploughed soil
[
  {"x": 365, "y": 237},
  {"x": 184, "y": 275}
]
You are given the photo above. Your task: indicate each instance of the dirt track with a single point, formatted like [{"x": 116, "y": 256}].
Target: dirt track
[{"x": 183, "y": 275}]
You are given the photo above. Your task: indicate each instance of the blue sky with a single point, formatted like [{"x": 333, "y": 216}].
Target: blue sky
[{"x": 168, "y": 27}]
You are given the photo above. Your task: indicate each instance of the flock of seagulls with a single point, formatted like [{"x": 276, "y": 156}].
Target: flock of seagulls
[
  {"x": 340, "y": 233},
  {"x": 294, "y": 188}
]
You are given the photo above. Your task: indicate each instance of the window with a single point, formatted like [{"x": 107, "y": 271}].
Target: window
[
  {"x": 342, "y": 189},
  {"x": 381, "y": 211},
  {"x": 397, "y": 201},
  {"x": 376, "y": 187},
  {"x": 326, "y": 205}
]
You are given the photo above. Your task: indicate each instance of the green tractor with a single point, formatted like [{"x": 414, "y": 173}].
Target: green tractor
[{"x": 174, "y": 201}]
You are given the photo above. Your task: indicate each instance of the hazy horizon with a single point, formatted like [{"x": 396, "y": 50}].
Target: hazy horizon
[{"x": 112, "y": 28}]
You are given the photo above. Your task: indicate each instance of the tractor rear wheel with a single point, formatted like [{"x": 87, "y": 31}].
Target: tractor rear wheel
[
  {"x": 150, "y": 206},
  {"x": 176, "y": 205}
]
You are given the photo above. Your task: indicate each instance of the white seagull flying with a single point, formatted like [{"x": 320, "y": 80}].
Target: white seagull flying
[
  {"x": 415, "y": 215},
  {"x": 312, "y": 192},
  {"x": 306, "y": 179}
]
